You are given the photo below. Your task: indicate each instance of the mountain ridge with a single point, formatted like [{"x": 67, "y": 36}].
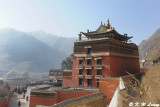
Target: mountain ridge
[
  {"x": 26, "y": 53},
  {"x": 149, "y": 48}
]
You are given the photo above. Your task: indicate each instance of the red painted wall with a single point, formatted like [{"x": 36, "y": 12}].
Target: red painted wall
[
  {"x": 4, "y": 103},
  {"x": 108, "y": 87},
  {"x": 112, "y": 66},
  {"x": 59, "y": 96},
  {"x": 75, "y": 71},
  {"x": 66, "y": 95},
  {"x": 42, "y": 100},
  {"x": 118, "y": 66},
  {"x": 67, "y": 82}
]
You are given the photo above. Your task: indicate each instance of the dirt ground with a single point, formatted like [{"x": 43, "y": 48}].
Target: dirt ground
[{"x": 13, "y": 101}]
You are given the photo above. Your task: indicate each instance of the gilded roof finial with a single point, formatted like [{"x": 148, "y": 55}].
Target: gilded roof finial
[
  {"x": 101, "y": 22},
  {"x": 108, "y": 24},
  {"x": 80, "y": 36}
]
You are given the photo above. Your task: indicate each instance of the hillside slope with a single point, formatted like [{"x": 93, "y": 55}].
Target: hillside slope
[
  {"x": 25, "y": 53},
  {"x": 62, "y": 44},
  {"x": 150, "y": 48}
]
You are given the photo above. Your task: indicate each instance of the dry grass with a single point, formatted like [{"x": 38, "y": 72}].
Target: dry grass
[
  {"x": 151, "y": 83},
  {"x": 148, "y": 90}
]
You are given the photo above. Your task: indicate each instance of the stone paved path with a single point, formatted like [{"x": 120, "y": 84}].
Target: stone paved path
[{"x": 13, "y": 101}]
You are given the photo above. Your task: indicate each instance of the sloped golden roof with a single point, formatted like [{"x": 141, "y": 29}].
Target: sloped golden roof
[{"x": 104, "y": 30}]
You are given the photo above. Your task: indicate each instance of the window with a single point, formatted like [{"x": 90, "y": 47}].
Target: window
[
  {"x": 80, "y": 82},
  {"x": 88, "y": 51},
  {"x": 97, "y": 83},
  {"x": 89, "y": 62},
  {"x": 81, "y": 72},
  {"x": 80, "y": 62},
  {"x": 99, "y": 72},
  {"x": 89, "y": 72},
  {"x": 89, "y": 82},
  {"x": 99, "y": 61}
]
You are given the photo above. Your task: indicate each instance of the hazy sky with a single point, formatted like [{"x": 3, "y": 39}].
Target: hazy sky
[{"x": 137, "y": 18}]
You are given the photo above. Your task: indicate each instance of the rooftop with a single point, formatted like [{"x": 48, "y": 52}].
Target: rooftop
[
  {"x": 55, "y": 70},
  {"x": 104, "y": 31},
  {"x": 52, "y": 89}
]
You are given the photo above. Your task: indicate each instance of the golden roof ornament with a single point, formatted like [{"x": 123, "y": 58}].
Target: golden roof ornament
[
  {"x": 80, "y": 36},
  {"x": 108, "y": 24}
]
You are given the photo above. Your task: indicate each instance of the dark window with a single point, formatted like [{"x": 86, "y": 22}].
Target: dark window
[
  {"x": 89, "y": 62},
  {"x": 81, "y": 72},
  {"x": 81, "y": 81},
  {"x": 88, "y": 51},
  {"x": 89, "y": 72},
  {"x": 80, "y": 62},
  {"x": 99, "y": 72},
  {"x": 99, "y": 62},
  {"x": 97, "y": 83},
  {"x": 89, "y": 82}
]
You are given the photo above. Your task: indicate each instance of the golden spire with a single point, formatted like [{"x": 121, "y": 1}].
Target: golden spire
[
  {"x": 80, "y": 36},
  {"x": 108, "y": 24}
]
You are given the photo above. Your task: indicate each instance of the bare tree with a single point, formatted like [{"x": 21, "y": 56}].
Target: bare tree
[{"x": 67, "y": 63}]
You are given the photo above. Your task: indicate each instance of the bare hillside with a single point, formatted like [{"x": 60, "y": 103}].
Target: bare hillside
[{"x": 150, "y": 48}]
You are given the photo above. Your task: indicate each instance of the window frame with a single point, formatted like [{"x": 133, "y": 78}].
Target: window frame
[
  {"x": 80, "y": 60},
  {"x": 99, "y": 61},
  {"x": 99, "y": 72},
  {"x": 89, "y": 72},
  {"x": 80, "y": 81},
  {"x": 80, "y": 71},
  {"x": 89, "y": 61},
  {"x": 89, "y": 50},
  {"x": 89, "y": 82}
]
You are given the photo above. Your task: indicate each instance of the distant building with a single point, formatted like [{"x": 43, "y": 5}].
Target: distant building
[{"x": 55, "y": 74}]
